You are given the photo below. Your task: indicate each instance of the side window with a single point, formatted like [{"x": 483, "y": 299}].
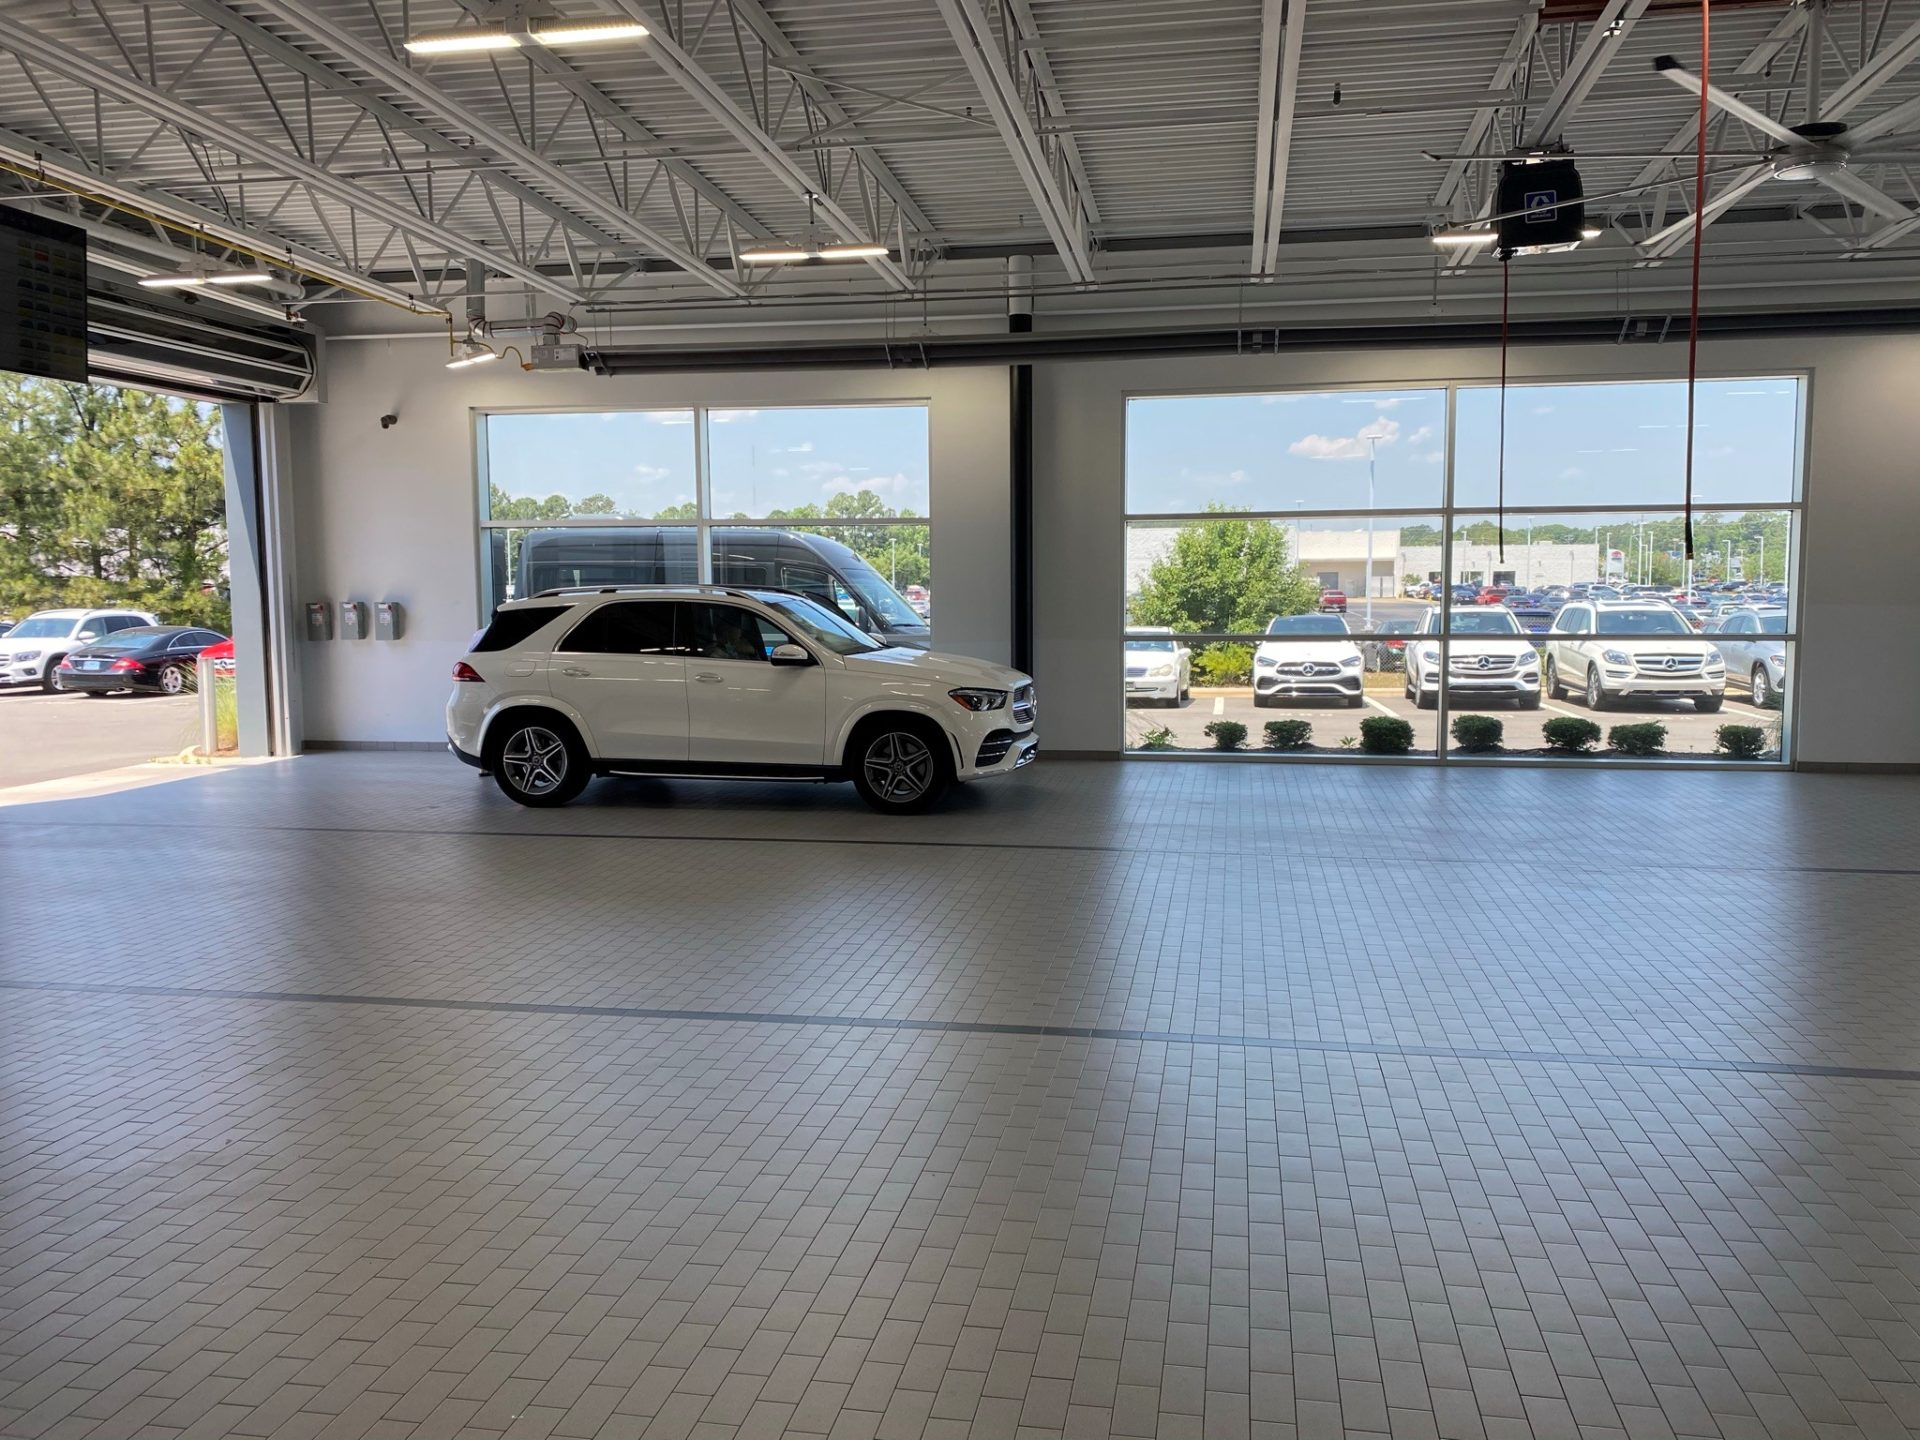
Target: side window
[
  {"x": 771, "y": 635},
  {"x": 124, "y": 622},
  {"x": 632, "y": 628},
  {"x": 721, "y": 632}
]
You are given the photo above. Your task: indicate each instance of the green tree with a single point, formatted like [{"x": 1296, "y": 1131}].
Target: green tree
[
  {"x": 901, "y": 553},
  {"x": 1225, "y": 576},
  {"x": 111, "y": 497}
]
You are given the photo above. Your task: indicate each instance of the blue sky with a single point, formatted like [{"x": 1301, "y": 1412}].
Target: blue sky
[
  {"x": 1596, "y": 445},
  {"x": 760, "y": 460}
]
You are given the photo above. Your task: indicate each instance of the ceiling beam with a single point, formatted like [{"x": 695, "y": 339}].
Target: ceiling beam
[
  {"x": 1504, "y": 75},
  {"x": 1755, "y": 62},
  {"x": 1041, "y": 166},
  {"x": 1583, "y": 72},
  {"x": 132, "y": 91},
  {"x": 405, "y": 82},
  {"x": 1282, "y": 30},
  {"x": 678, "y": 62}
]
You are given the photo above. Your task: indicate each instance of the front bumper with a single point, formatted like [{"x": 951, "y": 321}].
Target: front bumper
[
  {"x": 1524, "y": 683},
  {"x": 1149, "y": 689},
  {"x": 22, "y": 672},
  {"x": 1308, "y": 686},
  {"x": 1000, "y": 751},
  {"x": 1678, "y": 687}
]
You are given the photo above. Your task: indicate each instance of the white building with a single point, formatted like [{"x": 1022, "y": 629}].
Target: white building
[
  {"x": 1543, "y": 563},
  {"x": 1336, "y": 559}
]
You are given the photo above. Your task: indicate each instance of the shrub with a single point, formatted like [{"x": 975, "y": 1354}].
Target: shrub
[
  {"x": 1477, "y": 732},
  {"x": 1289, "y": 734},
  {"x": 1385, "y": 735},
  {"x": 1570, "y": 733},
  {"x": 1741, "y": 742},
  {"x": 1646, "y": 738},
  {"x": 1221, "y": 665},
  {"x": 1158, "y": 738},
  {"x": 1227, "y": 734}
]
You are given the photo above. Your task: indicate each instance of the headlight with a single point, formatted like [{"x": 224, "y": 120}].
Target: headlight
[
  {"x": 1160, "y": 672},
  {"x": 1779, "y": 660},
  {"x": 1431, "y": 655},
  {"x": 1265, "y": 660},
  {"x": 979, "y": 699},
  {"x": 1350, "y": 662},
  {"x": 1616, "y": 657},
  {"x": 26, "y": 655}
]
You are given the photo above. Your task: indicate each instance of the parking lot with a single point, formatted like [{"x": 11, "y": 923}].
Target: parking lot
[
  {"x": 49, "y": 737},
  {"x": 1688, "y": 731}
]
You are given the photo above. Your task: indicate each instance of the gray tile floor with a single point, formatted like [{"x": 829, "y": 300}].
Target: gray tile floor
[{"x": 341, "y": 1098}]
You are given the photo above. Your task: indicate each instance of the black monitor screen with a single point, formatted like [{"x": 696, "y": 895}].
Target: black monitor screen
[{"x": 43, "y": 297}]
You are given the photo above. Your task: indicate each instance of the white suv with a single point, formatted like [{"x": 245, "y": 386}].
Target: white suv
[
  {"x": 1324, "y": 664},
  {"x": 743, "y": 683},
  {"x": 1490, "y": 658},
  {"x": 1612, "y": 649},
  {"x": 31, "y": 652}
]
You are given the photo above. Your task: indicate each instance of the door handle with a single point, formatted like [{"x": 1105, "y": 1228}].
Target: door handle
[
  {"x": 573, "y": 670},
  {"x": 707, "y": 677}
]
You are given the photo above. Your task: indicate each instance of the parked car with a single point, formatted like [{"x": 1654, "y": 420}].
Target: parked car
[
  {"x": 222, "y": 657},
  {"x": 5, "y": 626},
  {"x": 1324, "y": 666},
  {"x": 155, "y": 659},
  {"x": 1333, "y": 602},
  {"x": 1490, "y": 595},
  {"x": 733, "y": 682},
  {"x": 814, "y": 565},
  {"x": 1536, "y": 619},
  {"x": 1488, "y": 658},
  {"x": 1385, "y": 648},
  {"x": 919, "y": 599},
  {"x": 1618, "y": 649},
  {"x": 1465, "y": 594},
  {"x": 31, "y": 652},
  {"x": 1559, "y": 593},
  {"x": 1756, "y": 657},
  {"x": 1159, "y": 668}
]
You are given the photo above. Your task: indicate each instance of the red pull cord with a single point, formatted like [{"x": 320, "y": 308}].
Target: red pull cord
[{"x": 1699, "y": 230}]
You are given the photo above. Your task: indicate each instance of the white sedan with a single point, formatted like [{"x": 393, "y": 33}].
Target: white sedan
[{"x": 1159, "y": 668}]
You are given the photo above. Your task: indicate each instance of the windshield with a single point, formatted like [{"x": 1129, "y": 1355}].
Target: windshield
[
  {"x": 1773, "y": 624},
  {"x": 1307, "y": 625},
  {"x": 1485, "y": 622},
  {"x": 819, "y": 624},
  {"x": 1150, "y": 645},
  {"x": 883, "y": 602},
  {"x": 42, "y": 627},
  {"x": 1642, "y": 622}
]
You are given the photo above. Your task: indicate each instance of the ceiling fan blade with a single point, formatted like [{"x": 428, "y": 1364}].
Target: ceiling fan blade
[
  {"x": 1731, "y": 104},
  {"x": 1674, "y": 238},
  {"x": 1600, "y": 155},
  {"x": 1860, "y": 149},
  {"x": 1870, "y": 198}
]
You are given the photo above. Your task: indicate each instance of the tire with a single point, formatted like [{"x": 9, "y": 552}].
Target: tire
[
  {"x": 900, "y": 766},
  {"x": 1554, "y": 687},
  {"x": 50, "y": 677},
  {"x": 1709, "y": 706},
  {"x": 537, "y": 759},
  {"x": 177, "y": 680},
  {"x": 1424, "y": 701},
  {"x": 1262, "y": 702},
  {"x": 1762, "y": 688},
  {"x": 1186, "y": 693},
  {"x": 1596, "y": 691},
  {"x": 1354, "y": 702}
]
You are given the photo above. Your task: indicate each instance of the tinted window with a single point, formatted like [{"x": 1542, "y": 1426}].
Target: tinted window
[
  {"x": 1643, "y": 622},
  {"x": 721, "y": 632},
  {"x": 512, "y": 627},
  {"x": 637, "y": 627},
  {"x": 124, "y": 622},
  {"x": 1484, "y": 622},
  {"x": 1307, "y": 625}
]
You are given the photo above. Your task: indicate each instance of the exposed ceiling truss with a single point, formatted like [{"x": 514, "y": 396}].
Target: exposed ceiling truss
[{"x": 1282, "y": 33}]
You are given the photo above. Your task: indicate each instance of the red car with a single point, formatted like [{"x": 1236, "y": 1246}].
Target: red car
[
  {"x": 1492, "y": 595},
  {"x": 221, "y": 655},
  {"x": 1334, "y": 601}
]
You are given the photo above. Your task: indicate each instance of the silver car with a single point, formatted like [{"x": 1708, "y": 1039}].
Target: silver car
[{"x": 1756, "y": 655}]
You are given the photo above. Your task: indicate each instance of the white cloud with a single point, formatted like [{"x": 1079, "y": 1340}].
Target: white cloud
[
  {"x": 1543, "y": 409},
  {"x": 781, "y": 471},
  {"x": 1346, "y": 447},
  {"x": 652, "y": 472},
  {"x": 879, "y": 484},
  {"x": 819, "y": 467},
  {"x": 805, "y": 447},
  {"x": 1420, "y": 436},
  {"x": 1430, "y": 457},
  {"x": 1573, "y": 472}
]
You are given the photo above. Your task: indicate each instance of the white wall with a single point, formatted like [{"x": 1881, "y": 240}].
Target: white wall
[
  {"x": 1857, "y": 686},
  {"x": 392, "y": 514}
]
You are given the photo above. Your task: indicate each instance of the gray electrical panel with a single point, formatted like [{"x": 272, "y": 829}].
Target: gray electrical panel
[
  {"x": 319, "y": 619},
  {"x": 353, "y": 619},
  {"x": 389, "y": 620}
]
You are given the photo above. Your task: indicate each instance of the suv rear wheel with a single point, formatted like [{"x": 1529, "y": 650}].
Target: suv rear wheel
[
  {"x": 900, "y": 768},
  {"x": 537, "y": 760}
]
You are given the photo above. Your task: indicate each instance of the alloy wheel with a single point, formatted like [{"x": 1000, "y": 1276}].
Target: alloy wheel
[
  {"x": 535, "y": 760},
  {"x": 899, "y": 767},
  {"x": 1762, "y": 688},
  {"x": 173, "y": 680}
]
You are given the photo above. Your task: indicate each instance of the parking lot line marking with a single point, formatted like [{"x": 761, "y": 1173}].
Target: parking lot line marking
[
  {"x": 1384, "y": 710},
  {"x": 1219, "y": 704},
  {"x": 1561, "y": 710}
]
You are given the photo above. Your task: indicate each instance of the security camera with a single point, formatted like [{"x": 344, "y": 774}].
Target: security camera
[{"x": 387, "y": 422}]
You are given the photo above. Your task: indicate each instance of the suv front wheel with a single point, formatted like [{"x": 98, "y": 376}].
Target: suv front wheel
[
  {"x": 538, "y": 761},
  {"x": 900, "y": 768}
]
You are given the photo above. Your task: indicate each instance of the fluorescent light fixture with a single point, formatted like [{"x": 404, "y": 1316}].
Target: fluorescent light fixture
[
  {"x": 472, "y": 352},
  {"x": 588, "y": 32},
  {"x": 788, "y": 254},
  {"x": 179, "y": 280},
  {"x": 1591, "y": 233},
  {"x": 194, "y": 279},
  {"x": 456, "y": 42},
  {"x": 854, "y": 252},
  {"x": 1463, "y": 237},
  {"x": 240, "y": 277},
  {"x": 775, "y": 255}
]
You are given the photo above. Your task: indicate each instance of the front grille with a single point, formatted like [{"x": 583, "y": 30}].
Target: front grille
[
  {"x": 1135, "y": 672},
  {"x": 1660, "y": 666},
  {"x": 994, "y": 748},
  {"x": 1481, "y": 664},
  {"x": 1024, "y": 708},
  {"x": 1328, "y": 668}
]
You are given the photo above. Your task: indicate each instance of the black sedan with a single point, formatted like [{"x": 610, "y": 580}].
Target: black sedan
[{"x": 153, "y": 658}]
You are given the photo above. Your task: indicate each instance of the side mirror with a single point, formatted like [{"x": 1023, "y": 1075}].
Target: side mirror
[
  {"x": 789, "y": 655},
  {"x": 88, "y": 635}
]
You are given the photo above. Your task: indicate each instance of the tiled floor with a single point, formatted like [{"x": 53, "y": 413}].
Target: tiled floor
[{"x": 341, "y": 1098}]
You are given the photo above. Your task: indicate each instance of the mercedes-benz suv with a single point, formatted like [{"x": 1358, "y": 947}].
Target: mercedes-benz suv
[
  {"x": 1488, "y": 658},
  {"x": 1310, "y": 657},
  {"x": 1608, "y": 650},
  {"x": 743, "y": 683}
]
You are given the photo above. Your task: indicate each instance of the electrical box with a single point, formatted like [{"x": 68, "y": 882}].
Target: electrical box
[
  {"x": 353, "y": 619},
  {"x": 389, "y": 620},
  {"x": 558, "y": 355},
  {"x": 319, "y": 619}
]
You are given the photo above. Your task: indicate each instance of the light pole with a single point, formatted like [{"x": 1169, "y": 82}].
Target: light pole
[{"x": 1372, "y": 440}]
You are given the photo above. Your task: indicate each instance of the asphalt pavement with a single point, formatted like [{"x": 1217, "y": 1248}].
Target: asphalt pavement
[{"x": 49, "y": 737}]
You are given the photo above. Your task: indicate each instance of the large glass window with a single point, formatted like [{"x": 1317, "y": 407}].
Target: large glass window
[
  {"x": 1275, "y": 579},
  {"x": 834, "y": 501}
]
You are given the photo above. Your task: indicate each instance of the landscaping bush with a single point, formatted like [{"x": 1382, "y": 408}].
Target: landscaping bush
[
  {"x": 1646, "y": 738},
  {"x": 1570, "y": 733},
  {"x": 1477, "y": 732},
  {"x": 1385, "y": 735},
  {"x": 1158, "y": 738},
  {"x": 1227, "y": 734},
  {"x": 1741, "y": 742},
  {"x": 1289, "y": 734},
  {"x": 1220, "y": 665}
]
